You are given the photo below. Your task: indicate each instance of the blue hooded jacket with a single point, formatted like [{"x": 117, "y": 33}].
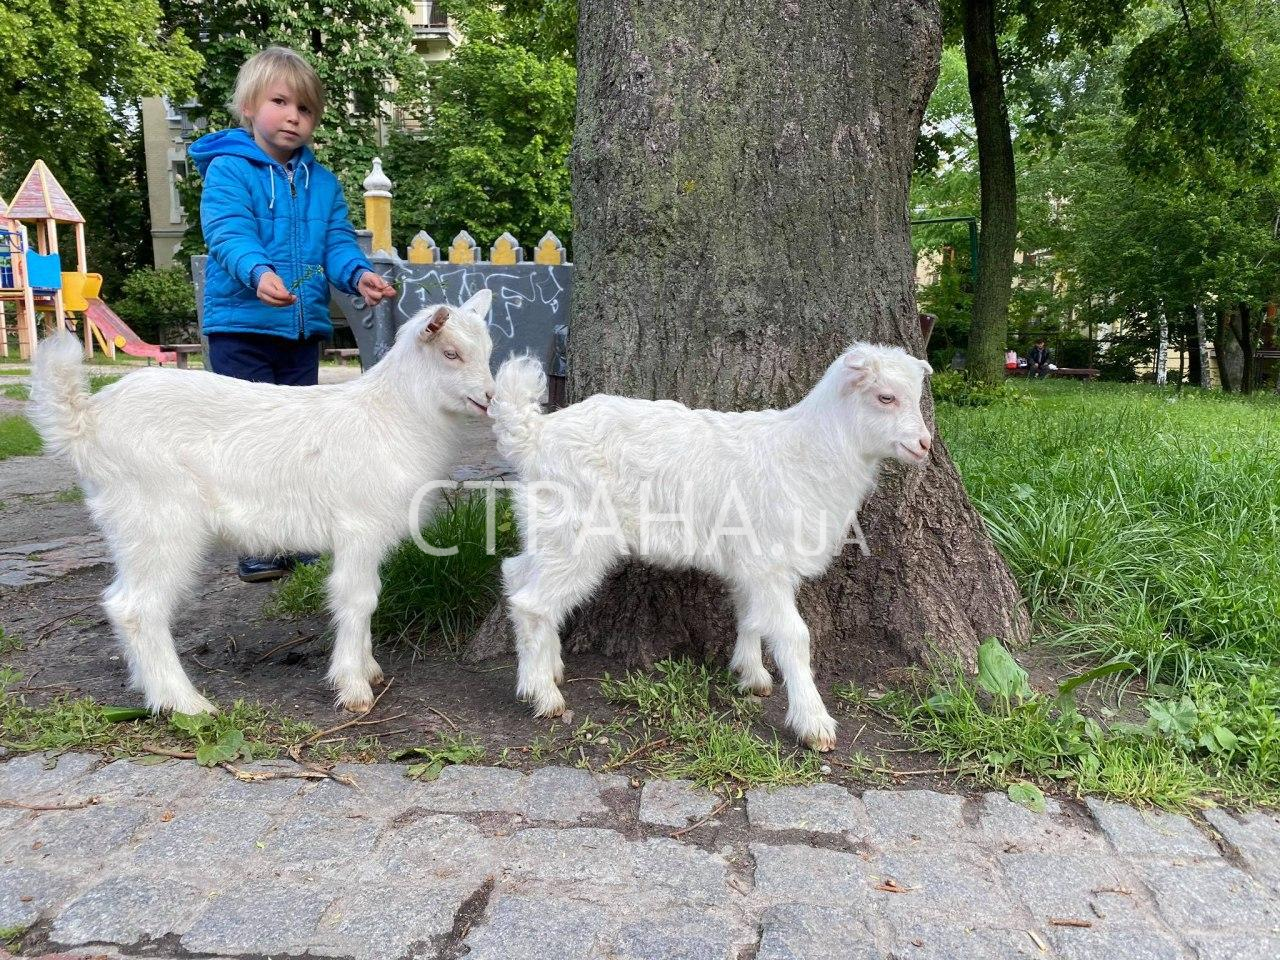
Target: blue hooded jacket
[{"x": 255, "y": 220}]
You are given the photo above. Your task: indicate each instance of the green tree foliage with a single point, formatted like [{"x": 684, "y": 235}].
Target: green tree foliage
[
  {"x": 160, "y": 305},
  {"x": 362, "y": 50},
  {"x": 72, "y": 75},
  {"x": 492, "y": 154}
]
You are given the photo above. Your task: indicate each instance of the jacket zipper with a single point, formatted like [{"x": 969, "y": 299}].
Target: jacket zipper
[{"x": 297, "y": 263}]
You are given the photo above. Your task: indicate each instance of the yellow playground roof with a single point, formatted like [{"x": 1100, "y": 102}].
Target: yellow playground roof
[{"x": 41, "y": 197}]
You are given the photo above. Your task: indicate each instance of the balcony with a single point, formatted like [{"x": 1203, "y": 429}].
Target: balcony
[{"x": 429, "y": 19}]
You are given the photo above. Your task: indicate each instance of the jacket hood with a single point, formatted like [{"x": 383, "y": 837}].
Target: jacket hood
[{"x": 235, "y": 143}]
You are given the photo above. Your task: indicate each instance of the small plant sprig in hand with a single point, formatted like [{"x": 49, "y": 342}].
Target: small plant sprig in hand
[{"x": 312, "y": 270}]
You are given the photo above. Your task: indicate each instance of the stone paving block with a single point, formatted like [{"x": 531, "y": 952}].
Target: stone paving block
[
  {"x": 794, "y": 873},
  {"x": 268, "y": 917},
  {"x": 675, "y": 803},
  {"x": 125, "y": 781},
  {"x": 382, "y": 792},
  {"x": 522, "y": 927},
  {"x": 1003, "y": 823},
  {"x": 915, "y": 815},
  {"x": 953, "y": 941},
  {"x": 310, "y": 841},
  {"x": 384, "y": 922},
  {"x": 803, "y": 931},
  {"x": 953, "y": 887},
  {"x": 603, "y": 865},
  {"x": 34, "y": 776},
  {"x": 823, "y": 808},
  {"x": 1150, "y": 832},
  {"x": 125, "y": 909},
  {"x": 1126, "y": 943},
  {"x": 435, "y": 845},
  {"x": 75, "y": 836},
  {"x": 1209, "y": 896},
  {"x": 27, "y": 892},
  {"x": 1256, "y": 836},
  {"x": 1085, "y": 886},
  {"x": 685, "y": 935},
  {"x": 566, "y": 794},
  {"x": 464, "y": 789},
  {"x": 206, "y": 838},
  {"x": 1238, "y": 946}
]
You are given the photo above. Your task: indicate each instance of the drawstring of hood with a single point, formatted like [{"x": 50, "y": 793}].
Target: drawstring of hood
[{"x": 271, "y": 174}]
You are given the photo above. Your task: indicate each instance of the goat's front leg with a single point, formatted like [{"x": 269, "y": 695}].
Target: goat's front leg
[
  {"x": 353, "y": 596},
  {"x": 773, "y": 612}
]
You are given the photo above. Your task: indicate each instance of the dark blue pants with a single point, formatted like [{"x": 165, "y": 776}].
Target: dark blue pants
[{"x": 266, "y": 359}]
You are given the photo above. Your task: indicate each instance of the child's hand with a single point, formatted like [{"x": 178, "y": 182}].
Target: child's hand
[
  {"x": 273, "y": 292},
  {"x": 373, "y": 288}
]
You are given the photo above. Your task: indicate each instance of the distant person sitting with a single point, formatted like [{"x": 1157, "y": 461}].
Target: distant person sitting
[
  {"x": 1038, "y": 360},
  {"x": 1010, "y": 360}
]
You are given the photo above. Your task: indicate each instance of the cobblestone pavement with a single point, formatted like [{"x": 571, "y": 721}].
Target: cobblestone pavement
[{"x": 493, "y": 864}]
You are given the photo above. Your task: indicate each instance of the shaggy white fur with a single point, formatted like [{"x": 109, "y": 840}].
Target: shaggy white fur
[
  {"x": 762, "y": 499},
  {"x": 174, "y": 461}
]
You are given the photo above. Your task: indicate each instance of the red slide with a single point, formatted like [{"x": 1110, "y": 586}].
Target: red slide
[{"x": 105, "y": 319}]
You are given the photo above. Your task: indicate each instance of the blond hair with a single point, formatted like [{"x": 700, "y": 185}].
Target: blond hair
[{"x": 277, "y": 65}]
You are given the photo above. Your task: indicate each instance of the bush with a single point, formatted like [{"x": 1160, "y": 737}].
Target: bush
[
  {"x": 955, "y": 388},
  {"x": 160, "y": 305}
]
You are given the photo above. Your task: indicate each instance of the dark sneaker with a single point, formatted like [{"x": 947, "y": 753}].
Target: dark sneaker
[{"x": 261, "y": 569}]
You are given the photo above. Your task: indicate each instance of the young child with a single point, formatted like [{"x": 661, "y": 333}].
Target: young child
[{"x": 278, "y": 234}]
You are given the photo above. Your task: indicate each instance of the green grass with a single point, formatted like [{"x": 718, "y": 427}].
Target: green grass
[
  {"x": 84, "y": 724},
  {"x": 683, "y": 721},
  {"x": 24, "y": 372},
  {"x": 1144, "y": 527},
  {"x": 16, "y": 391},
  {"x": 18, "y": 438},
  {"x": 425, "y": 598}
]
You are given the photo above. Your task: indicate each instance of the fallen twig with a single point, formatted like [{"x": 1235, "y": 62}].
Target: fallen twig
[
  {"x": 297, "y": 641},
  {"x": 309, "y": 771},
  {"x": 643, "y": 748},
  {"x": 1069, "y": 922},
  {"x": 295, "y": 751},
  {"x": 444, "y": 716},
  {"x": 705, "y": 820},
  {"x": 890, "y": 885},
  {"x": 19, "y": 805}
]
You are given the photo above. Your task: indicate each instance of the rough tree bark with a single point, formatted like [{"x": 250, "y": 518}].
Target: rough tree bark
[
  {"x": 989, "y": 330},
  {"x": 740, "y": 193}
]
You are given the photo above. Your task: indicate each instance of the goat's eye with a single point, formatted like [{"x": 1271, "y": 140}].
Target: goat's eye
[
  {"x": 886, "y": 398},
  {"x": 451, "y": 354}
]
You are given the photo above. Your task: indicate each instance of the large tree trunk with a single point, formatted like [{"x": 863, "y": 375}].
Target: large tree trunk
[
  {"x": 989, "y": 330},
  {"x": 740, "y": 194}
]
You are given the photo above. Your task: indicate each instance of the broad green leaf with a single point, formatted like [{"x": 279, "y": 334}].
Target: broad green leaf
[
  {"x": 1027, "y": 795},
  {"x": 999, "y": 674}
]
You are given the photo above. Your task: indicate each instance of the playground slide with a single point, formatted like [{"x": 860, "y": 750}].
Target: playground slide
[{"x": 115, "y": 329}]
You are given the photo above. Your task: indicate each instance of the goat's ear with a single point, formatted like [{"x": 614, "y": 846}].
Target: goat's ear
[
  {"x": 925, "y": 366},
  {"x": 479, "y": 304},
  {"x": 434, "y": 325},
  {"x": 857, "y": 369}
]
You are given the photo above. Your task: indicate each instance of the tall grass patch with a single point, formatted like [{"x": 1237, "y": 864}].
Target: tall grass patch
[{"x": 1143, "y": 525}]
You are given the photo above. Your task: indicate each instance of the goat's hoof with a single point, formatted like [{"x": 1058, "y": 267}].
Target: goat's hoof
[
  {"x": 821, "y": 743},
  {"x": 355, "y": 696},
  {"x": 548, "y": 704},
  {"x": 373, "y": 673},
  {"x": 757, "y": 684},
  {"x": 188, "y": 703}
]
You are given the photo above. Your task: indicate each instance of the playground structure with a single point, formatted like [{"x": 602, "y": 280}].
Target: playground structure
[{"x": 36, "y": 283}]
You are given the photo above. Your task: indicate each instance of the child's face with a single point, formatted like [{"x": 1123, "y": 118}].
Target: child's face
[{"x": 281, "y": 124}]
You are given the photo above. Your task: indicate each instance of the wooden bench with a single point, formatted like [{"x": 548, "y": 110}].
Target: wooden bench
[
  {"x": 342, "y": 354},
  {"x": 1074, "y": 373},
  {"x": 183, "y": 350}
]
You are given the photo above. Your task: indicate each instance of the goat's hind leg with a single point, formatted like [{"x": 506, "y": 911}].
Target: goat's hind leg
[
  {"x": 542, "y": 589},
  {"x": 353, "y": 596},
  {"x": 156, "y": 562},
  {"x": 748, "y": 660}
]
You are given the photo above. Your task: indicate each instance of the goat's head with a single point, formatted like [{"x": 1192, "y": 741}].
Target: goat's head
[
  {"x": 451, "y": 346},
  {"x": 886, "y": 384}
]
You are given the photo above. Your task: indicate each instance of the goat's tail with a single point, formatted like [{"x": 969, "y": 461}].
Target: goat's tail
[
  {"x": 519, "y": 389},
  {"x": 60, "y": 396}
]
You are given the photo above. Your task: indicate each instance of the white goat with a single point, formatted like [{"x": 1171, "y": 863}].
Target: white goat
[
  {"x": 173, "y": 462},
  {"x": 763, "y": 499}
]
